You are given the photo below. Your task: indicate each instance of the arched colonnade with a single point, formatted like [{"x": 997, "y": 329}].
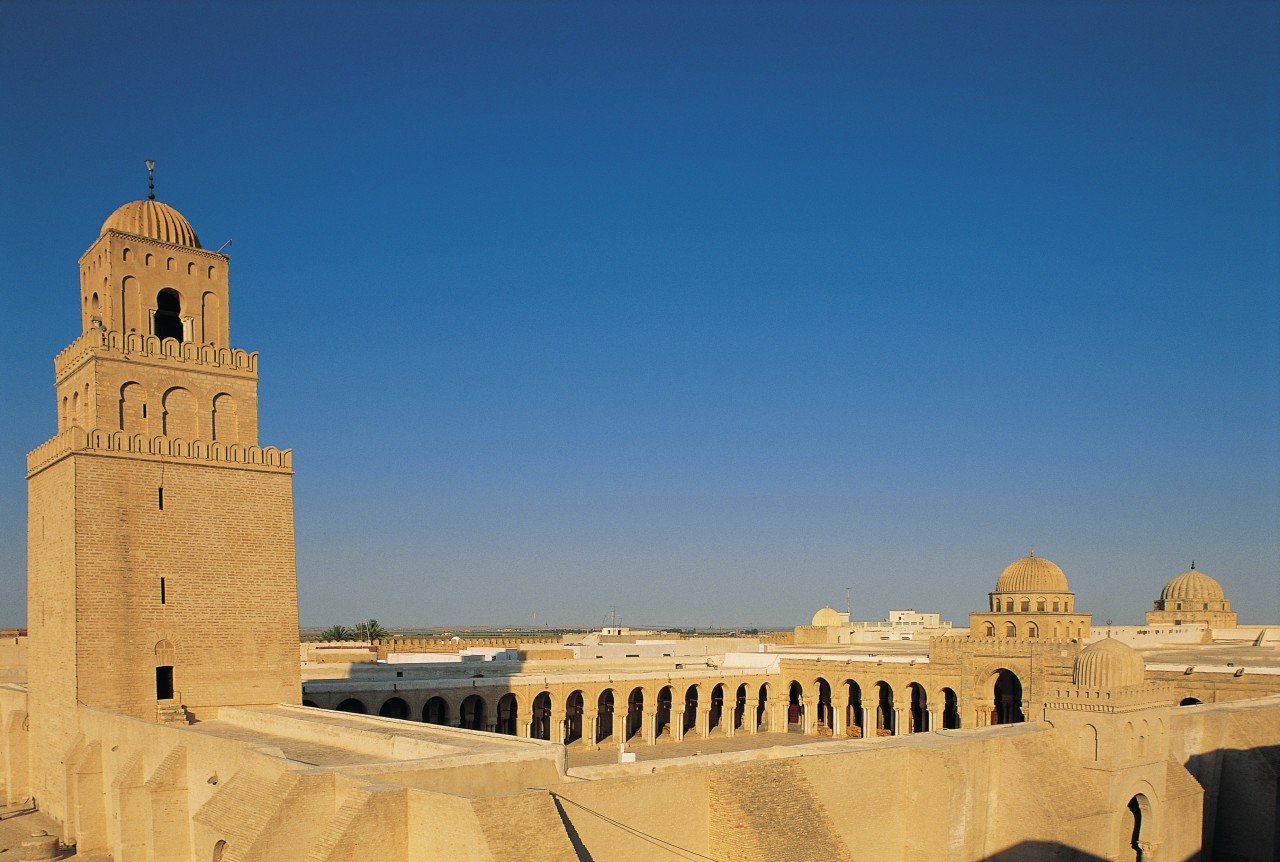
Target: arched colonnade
[{"x": 880, "y": 702}]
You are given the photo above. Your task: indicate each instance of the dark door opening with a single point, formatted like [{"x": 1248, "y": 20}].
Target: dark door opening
[{"x": 164, "y": 682}]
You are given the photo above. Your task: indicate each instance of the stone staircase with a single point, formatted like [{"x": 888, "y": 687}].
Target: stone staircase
[{"x": 172, "y": 712}]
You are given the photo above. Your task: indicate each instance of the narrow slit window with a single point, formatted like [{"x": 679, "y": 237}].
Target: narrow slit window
[
  {"x": 160, "y": 498},
  {"x": 162, "y": 593}
]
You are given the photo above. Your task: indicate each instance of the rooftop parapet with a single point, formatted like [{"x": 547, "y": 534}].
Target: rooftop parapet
[
  {"x": 120, "y": 444},
  {"x": 1110, "y": 700},
  {"x": 100, "y": 342}
]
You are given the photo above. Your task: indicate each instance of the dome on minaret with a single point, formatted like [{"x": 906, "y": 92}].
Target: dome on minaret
[
  {"x": 1108, "y": 664},
  {"x": 155, "y": 220},
  {"x": 1032, "y": 574}
]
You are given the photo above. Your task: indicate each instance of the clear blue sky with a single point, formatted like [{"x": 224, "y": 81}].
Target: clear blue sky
[{"x": 703, "y": 310}]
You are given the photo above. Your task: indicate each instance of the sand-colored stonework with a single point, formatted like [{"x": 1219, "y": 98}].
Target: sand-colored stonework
[{"x": 159, "y": 719}]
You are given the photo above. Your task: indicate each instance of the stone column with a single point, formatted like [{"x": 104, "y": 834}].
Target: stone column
[
  {"x": 900, "y": 718},
  {"x": 619, "y": 728},
  {"x": 557, "y": 725},
  {"x": 524, "y": 729},
  {"x": 837, "y": 722},
  {"x": 704, "y": 721},
  {"x": 649, "y": 727},
  {"x": 677, "y": 724},
  {"x": 749, "y": 722},
  {"x": 589, "y": 728},
  {"x": 869, "y": 719},
  {"x": 935, "y": 721}
]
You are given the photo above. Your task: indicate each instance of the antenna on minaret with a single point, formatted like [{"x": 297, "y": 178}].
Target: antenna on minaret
[
  {"x": 151, "y": 179},
  {"x": 848, "y": 601}
]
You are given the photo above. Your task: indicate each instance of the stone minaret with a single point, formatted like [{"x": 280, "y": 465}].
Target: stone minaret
[{"x": 161, "y": 579}]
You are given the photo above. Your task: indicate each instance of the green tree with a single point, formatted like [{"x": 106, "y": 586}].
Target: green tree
[
  {"x": 369, "y": 630},
  {"x": 336, "y": 633}
]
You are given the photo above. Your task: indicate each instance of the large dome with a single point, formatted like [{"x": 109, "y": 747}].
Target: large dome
[
  {"x": 1032, "y": 574},
  {"x": 1108, "y": 664},
  {"x": 1192, "y": 586},
  {"x": 829, "y": 617},
  {"x": 152, "y": 219}
]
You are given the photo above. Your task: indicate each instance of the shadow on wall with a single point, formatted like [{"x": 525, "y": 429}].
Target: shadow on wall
[
  {"x": 1042, "y": 851},
  {"x": 1241, "y": 802}
]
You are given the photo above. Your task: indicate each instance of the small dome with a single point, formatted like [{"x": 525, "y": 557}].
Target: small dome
[
  {"x": 152, "y": 219},
  {"x": 829, "y": 617},
  {"x": 1108, "y": 664},
  {"x": 1032, "y": 574},
  {"x": 1193, "y": 586}
]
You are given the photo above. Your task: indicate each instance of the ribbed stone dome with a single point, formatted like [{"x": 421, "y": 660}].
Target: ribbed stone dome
[
  {"x": 1108, "y": 664},
  {"x": 152, "y": 219},
  {"x": 1193, "y": 586},
  {"x": 1032, "y": 574}
]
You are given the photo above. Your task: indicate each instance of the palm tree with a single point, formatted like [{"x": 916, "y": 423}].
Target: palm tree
[
  {"x": 370, "y": 631},
  {"x": 336, "y": 633}
]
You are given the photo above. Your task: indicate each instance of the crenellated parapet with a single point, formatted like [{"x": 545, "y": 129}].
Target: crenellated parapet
[
  {"x": 1078, "y": 698},
  {"x": 120, "y": 444},
  {"x": 108, "y": 343},
  {"x": 957, "y": 644}
]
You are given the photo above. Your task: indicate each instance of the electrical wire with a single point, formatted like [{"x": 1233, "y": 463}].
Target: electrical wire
[{"x": 644, "y": 836}]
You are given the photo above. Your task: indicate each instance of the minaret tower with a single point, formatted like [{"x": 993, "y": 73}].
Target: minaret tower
[{"x": 161, "y": 578}]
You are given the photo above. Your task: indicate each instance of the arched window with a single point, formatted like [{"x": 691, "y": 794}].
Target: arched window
[
  {"x": 211, "y": 319},
  {"x": 179, "y": 416},
  {"x": 1033, "y": 631},
  {"x": 147, "y": 260},
  {"x": 1055, "y": 607},
  {"x": 124, "y": 254},
  {"x": 191, "y": 269},
  {"x": 93, "y": 304},
  {"x": 1040, "y": 606},
  {"x": 224, "y": 424},
  {"x": 168, "y": 314},
  {"x": 989, "y": 630},
  {"x": 1089, "y": 743},
  {"x": 133, "y": 412},
  {"x": 1010, "y": 630},
  {"x": 219, "y": 849},
  {"x": 1008, "y": 606},
  {"x": 1026, "y": 606}
]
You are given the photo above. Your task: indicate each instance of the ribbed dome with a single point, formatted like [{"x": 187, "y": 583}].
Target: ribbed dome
[
  {"x": 1193, "y": 586},
  {"x": 153, "y": 219},
  {"x": 1032, "y": 574},
  {"x": 1108, "y": 664}
]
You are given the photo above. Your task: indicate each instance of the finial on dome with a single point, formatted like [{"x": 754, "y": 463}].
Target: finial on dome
[
  {"x": 1193, "y": 565},
  {"x": 1033, "y": 550},
  {"x": 151, "y": 179}
]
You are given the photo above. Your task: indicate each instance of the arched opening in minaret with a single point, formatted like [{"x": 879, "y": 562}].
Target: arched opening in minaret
[{"x": 168, "y": 314}]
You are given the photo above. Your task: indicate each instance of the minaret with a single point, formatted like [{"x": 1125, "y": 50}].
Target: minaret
[{"x": 161, "y": 577}]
